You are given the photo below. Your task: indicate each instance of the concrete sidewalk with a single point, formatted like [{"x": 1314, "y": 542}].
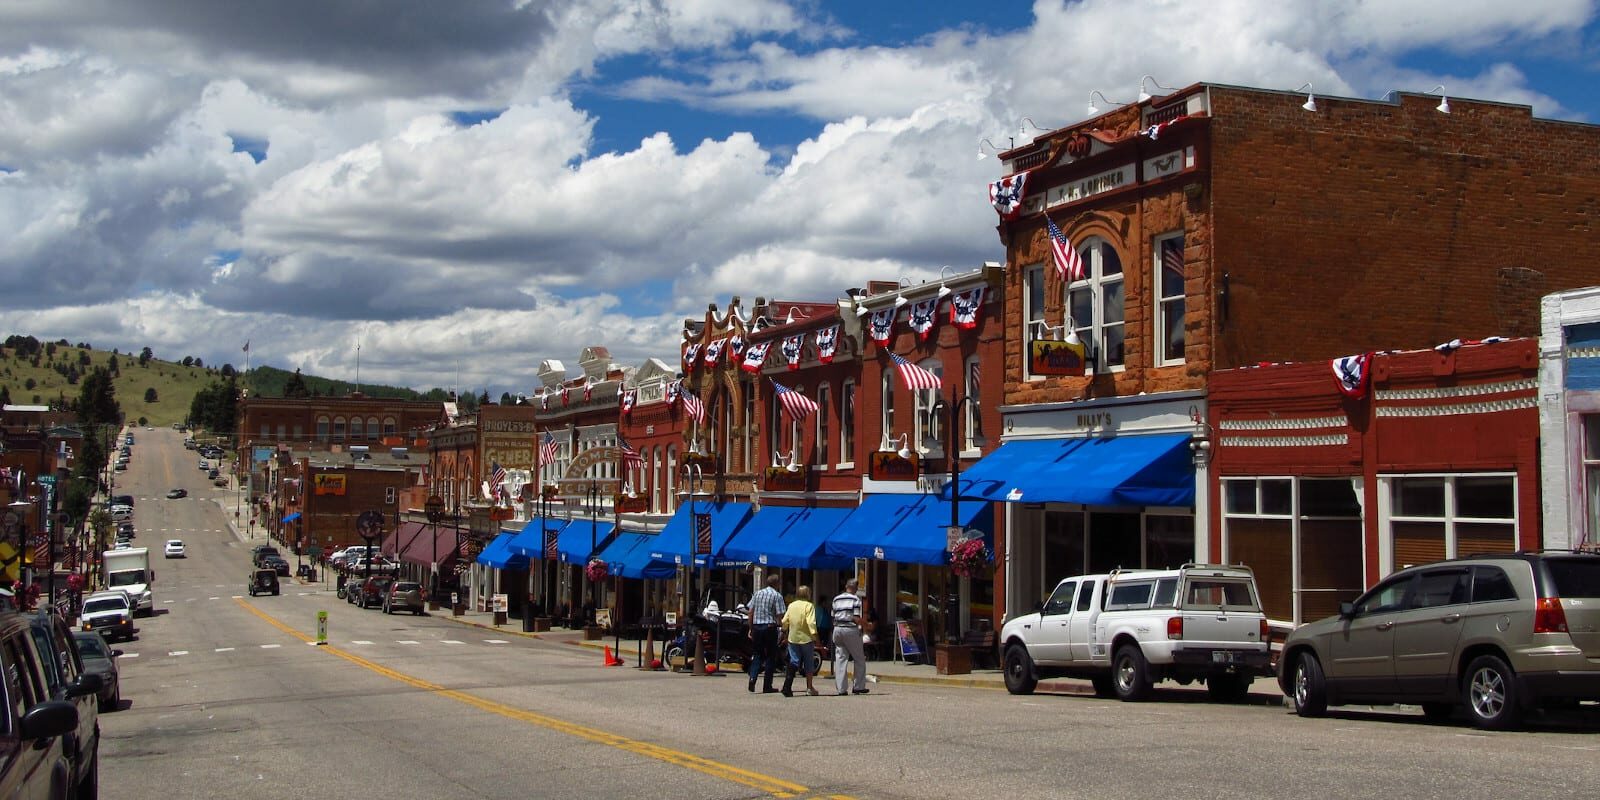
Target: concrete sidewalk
[{"x": 1264, "y": 691}]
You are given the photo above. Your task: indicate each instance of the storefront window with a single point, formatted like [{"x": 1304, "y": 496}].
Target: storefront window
[
  {"x": 1591, "y": 478},
  {"x": 1169, "y": 540},
  {"x": 1095, "y": 304},
  {"x": 1064, "y": 546},
  {"x": 1434, "y": 517},
  {"x": 1305, "y": 564},
  {"x": 1114, "y": 542},
  {"x": 847, "y": 422}
]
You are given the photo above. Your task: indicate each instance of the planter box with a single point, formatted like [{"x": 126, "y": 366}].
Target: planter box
[
  {"x": 541, "y": 624},
  {"x": 592, "y": 633},
  {"x": 459, "y": 609},
  {"x": 952, "y": 659}
]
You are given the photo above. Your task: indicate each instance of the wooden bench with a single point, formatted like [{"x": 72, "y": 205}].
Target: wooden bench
[{"x": 982, "y": 643}]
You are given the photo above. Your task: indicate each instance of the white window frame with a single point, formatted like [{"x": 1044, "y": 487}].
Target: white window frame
[
  {"x": 1159, "y": 344},
  {"x": 1033, "y": 321},
  {"x": 972, "y": 411},
  {"x": 672, "y": 479},
  {"x": 886, "y": 407},
  {"x": 1387, "y": 517},
  {"x": 1294, "y": 518},
  {"x": 1092, "y": 250},
  {"x": 924, "y": 419},
  {"x": 820, "y": 441},
  {"x": 847, "y": 424},
  {"x": 1589, "y": 460}
]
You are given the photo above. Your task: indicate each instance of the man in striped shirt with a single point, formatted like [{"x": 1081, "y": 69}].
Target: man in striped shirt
[
  {"x": 847, "y": 639},
  {"x": 766, "y": 610}
]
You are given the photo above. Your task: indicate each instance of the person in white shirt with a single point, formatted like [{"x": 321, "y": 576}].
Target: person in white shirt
[{"x": 847, "y": 639}]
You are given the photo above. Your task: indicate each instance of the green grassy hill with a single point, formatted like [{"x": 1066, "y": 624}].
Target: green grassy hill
[{"x": 174, "y": 384}]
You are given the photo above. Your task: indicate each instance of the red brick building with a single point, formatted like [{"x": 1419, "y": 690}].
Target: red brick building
[{"x": 1222, "y": 226}]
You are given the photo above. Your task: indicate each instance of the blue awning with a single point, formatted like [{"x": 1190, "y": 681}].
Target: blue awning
[
  {"x": 628, "y": 555},
  {"x": 909, "y": 528},
  {"x": 580, "y": 540},
  {"x": 788, "y": 536},
  {"x": 1154, "y": 470},
  {"x": 497, "y": 554},
  {"x": 675, "y": 543},
  {"x": 530, "y": 542},
  {"x": 291, "y": 518}
]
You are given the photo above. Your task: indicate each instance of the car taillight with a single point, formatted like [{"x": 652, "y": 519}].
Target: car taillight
[
  {"x": 1175, "y": 627},
  {"x": 1266, "y": 630},
  {"x": 1549, "y": 616}
]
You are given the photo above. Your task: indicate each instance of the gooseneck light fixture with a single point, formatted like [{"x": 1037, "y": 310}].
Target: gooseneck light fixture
[
  {"x": 1444, "y": 100},
  {"x": 1094, "y": 110},
  {"x": 1144, "y": 95},
  {"x": 1311, "y": 99}
]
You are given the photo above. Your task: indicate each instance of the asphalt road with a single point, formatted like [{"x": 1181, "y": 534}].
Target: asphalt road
[{"x": 225, "y": 698}]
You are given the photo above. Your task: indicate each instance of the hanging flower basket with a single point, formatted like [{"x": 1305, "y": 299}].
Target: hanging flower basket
[
  {"x": 969, "y": 559},
  {"x": 596, "y": 571}
]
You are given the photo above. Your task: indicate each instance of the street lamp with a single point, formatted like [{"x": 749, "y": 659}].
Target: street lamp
[{"x": 953, "y": 414}]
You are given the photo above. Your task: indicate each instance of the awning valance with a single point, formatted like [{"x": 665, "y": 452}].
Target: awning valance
[
  {"x": 530, "y": 542},
  {"x": 908, "y": 528},
  {"x": 788, "y": 536},
  {"x": 628, "y": 555},
  {"x": 675, "y": 543},
  {"x": 1130, "y": 470},
  {"x": 291, "y": 518},
  {"x": 497, "y": 554}
]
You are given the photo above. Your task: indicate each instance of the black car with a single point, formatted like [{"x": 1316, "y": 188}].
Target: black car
[
  {"x": 37, "y": 761},
  {"x": 177, "y": 493},
  {"x": 67, "y": 680},
  {"x": 277, "y": 564},
  {"x": 100, "y": 658}
]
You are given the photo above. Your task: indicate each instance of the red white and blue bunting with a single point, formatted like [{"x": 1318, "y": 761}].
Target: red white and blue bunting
[
  {"x": 714, "y": 352},
  {"x": 792, "y": 346},
  {"x": 965, "y": 307},
  {"x": 880, "y": 326},
  {"x": 672, "y": 391},
  {"x": 566, "y": 395},
  {"x": 1006, "y": 195},
  {"x": 921, "y": 317},
  {"x": 1352, "y": 374},
  {"x": 735, "y": 348},
  {"x": 827, "y": 343},
  {"x": 689, "y": 356},
  {"x": 755, "y": 356},
  {"x": 588, "y": 390},
  {"x": 626, "y": 401}
]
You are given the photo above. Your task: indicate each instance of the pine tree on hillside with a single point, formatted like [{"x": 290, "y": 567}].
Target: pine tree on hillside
[{"x": 296, "y": 387}]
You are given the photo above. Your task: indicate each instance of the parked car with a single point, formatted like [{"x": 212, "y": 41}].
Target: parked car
[
  {"x": 36, "y": 762},
  {"x": 122, "y": 500},
  {"x": 66, "y": 680},
  {"x": 372, "y": 592},
  {"x": 403, "y": 596},
  {"x": 262, "y": 551},
  {"x": 220, "y": 483},
  {"x": 109, "y": 614},
  {"x": 204, "y": 465},
  {"x": 263, "y": 581},
  {"x": 1493, "y": 635},
  {"x": 100, "y": 659},
  {"x": 174, "y": 549},
  {"x": 212, "y": 474},
  {"x": 175, "y": 494},
  {"x": 1131, "y": 628}
]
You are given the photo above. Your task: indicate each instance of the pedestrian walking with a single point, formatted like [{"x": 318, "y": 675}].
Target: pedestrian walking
[
  {"x": 800, "y": 632},
  {"x": 766, "y": 611},
  {"x": 847, "y": 643}
]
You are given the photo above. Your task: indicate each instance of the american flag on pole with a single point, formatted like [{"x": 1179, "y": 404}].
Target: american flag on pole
[
  {"x": 913, "y": 376},
  {"x": 692, "y": 404},
  {"x": 497, "y": 481},
  {"x": 1068, "y": 262},
  {"x": 794, "y": 403},
  {"x": 630, "y": 454},
  {"x": 547, "y": 449}
]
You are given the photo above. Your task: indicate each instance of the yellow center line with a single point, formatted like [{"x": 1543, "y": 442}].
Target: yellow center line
[{"x": 777, "y": 787}]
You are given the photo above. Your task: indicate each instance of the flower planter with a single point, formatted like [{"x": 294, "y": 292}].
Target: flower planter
[
  {"x": 952, "y": 659},
  {"x": 593, "y": 633},
  {"x": 541, "y": 624}
]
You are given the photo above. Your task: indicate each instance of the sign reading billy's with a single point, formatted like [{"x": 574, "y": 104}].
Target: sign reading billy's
[
  {"x": 1056, "y": 358},
  {"x": 887, "y": 465}
]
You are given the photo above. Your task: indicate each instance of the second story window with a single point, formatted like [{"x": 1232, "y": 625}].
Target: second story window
[
  {"x": 886, "y": 408},
  {"x": 820, "y": 444},
  {"x": 969, "y": 411},
  {"x": 1032, "y": 306},
  {"x": 1095, "y": 304},
  {"x": 322, "y": 429},
  {"x": 927, "y": 421},
  {"x": 847, "y": 422},
  {"x": 1169, "y": 299}
]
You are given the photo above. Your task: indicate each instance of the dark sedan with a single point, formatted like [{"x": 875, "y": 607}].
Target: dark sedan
[
  {"x": 276, "y": 564},
  {"x": 177, "y": 493},
  {"x": 100, "y": 659}
]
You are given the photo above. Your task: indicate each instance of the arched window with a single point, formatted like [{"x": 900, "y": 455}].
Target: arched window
[
  {"x": 1095, "y": 304},
  {"x": 820, "y": 442},
  {"x": 372, "y": 427},
  {"x": 358, "y": 429},
  {"x": 672, "y": 479},
  {"x": 389, "y": 427},
  {"x": 338, "y": 429}
]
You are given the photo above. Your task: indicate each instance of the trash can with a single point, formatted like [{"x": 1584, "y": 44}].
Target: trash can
[{"x": 527, "y": 622}]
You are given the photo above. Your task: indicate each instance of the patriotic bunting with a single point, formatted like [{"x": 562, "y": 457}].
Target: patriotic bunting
[
  {"x": 689, "y": 354},
  {"x": 566, "y": 395},
  {"x": 880, "y": 326},
  {"x": 735, "y": 348},
  {"x": 1006, "y": 195},
  {"x": 544, "y": 401},
  {"x": 673, "y": 390},
  {"x": 588, "y": 390},
  {"x": 1352, "y": 373},
  {"x": 791, "y": 350},
  {"x": 714, "y": 352},
  {"x": 964, "y": 308},
  {"x": 755, "y": 356},
  {"x": 626, "y": 401},
  {"x": 827, "y": 343},
  {"x": 921, "y": 317},
  {"x": 913, "y": 376},
  {"x": 794, "y": 404}
]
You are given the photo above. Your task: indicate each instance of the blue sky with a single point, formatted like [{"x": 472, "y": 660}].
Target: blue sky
[{"x": 497, "y": 184}]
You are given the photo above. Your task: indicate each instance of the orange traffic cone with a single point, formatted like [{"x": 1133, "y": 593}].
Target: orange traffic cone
[
  {"x": 611, "y": 659},
  {"x": 649, "y": 650}
]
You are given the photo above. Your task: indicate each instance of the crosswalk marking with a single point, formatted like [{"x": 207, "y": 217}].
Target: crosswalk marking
[
  {"x": 270, "y": 646},
  {"x": 495, "y": 641},
  {"x": 407, "y": 641},
  {"x": 451, "y": 641},
  {"x": 178, "y": 653},
  {"x": 360, "y": 641},
  {"x": 213, "y": 598},
  {"x": 224, "y": 650}
]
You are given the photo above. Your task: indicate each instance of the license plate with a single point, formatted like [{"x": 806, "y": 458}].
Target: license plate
[{"x": 1222, "y": 656}]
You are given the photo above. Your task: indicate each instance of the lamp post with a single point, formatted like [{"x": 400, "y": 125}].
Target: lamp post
[
  {"x": 434, "y": 508},
  {"x": 592, "y": 497},
  {"x": 953, "y": 414}
]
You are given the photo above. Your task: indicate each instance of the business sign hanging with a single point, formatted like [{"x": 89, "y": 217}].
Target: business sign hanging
[
  {"x": 782, "y": 479},
  {"x": 1047, "y": 357},
  {"x": 887, "y": 465},
  {"x": 328, "y": 483}
]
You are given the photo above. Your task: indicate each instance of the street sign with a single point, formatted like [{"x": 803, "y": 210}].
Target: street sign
[
  {"x": 369, "y": 525},
  {"x": 322, "y": 627},
  {"x": 314, "y": 551},
  {"x": 47, "y": 480}
]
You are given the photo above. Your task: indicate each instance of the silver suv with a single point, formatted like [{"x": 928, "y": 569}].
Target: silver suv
[{"x": 1496, "y": 635}]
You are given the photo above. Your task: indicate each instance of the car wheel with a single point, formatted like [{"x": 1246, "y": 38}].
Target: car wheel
[
  {"x": 1438, "y": 712},
  {"x": 1490, "y": 689},
  {"x": 672, "y": 653},
  {"x": 1019, "y": 670},
  {"x": 1307, "y": 688},
  {"x": 1227, "y": 688},
  {"x": 416, "y": 613},
  {"x": 1104, "y": 686},
  {"x": 1129, "y": 675}
]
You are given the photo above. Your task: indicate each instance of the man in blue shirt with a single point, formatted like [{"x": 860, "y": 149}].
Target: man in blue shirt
[{"x": 766, "y": 610}]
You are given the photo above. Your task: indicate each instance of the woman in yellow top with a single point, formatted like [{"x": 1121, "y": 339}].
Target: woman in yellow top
[{"x": 800, "y": 631}]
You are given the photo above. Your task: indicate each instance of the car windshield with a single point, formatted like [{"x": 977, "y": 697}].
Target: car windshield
[
  {"x": 174, "y": 542},
  {"x": 104, "y": 604},
  {"x": 1575, "y": 577},
  {"x": 406, "y": 587},
  {"x": 92, "y": 645},
  {"x": 129, "y": 578}
]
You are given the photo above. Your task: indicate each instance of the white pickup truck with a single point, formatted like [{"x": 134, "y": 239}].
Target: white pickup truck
[{"x": 1129, "y": 629}]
